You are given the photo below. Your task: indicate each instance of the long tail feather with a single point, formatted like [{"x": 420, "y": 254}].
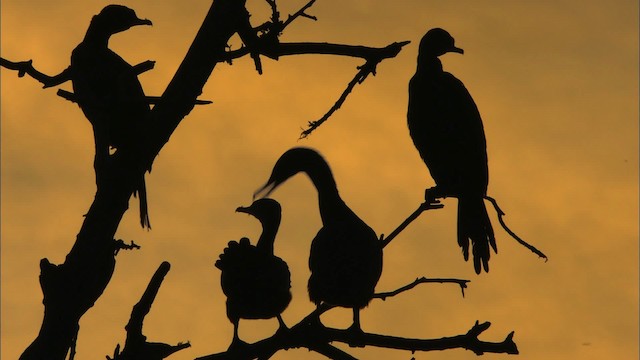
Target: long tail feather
[{"x": 474, "y": 224}]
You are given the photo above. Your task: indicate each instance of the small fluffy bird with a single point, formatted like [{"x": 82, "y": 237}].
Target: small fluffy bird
[
  {"x": 256, "y": 282},
  {"x": 446, "y": 128},
  {"x": 346, "y": 255},
  {"x": 111, "y": 97}
]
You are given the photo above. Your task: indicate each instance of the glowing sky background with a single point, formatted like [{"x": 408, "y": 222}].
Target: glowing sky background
[{"x": 555, "y": 81}]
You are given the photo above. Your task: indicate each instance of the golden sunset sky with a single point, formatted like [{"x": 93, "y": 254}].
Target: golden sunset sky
[{"x": 555, "y": 81}]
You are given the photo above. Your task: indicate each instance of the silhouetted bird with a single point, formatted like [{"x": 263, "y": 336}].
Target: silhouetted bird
[
  {"x": 346, "y": 255},
  {"x": 110, "y": 95},
  {"x": 256, "y": 282},
  {"x": 447, "y": 130}
]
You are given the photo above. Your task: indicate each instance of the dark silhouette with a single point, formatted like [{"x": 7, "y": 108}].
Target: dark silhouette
[
  {"x": 447, "y": 130},
  {"x": 136, "y": 346},
  {"x": 256, "y": 282},
  {"x": 109, "y": 93},
  {"x": 71, "y": 288},
  {"x": 346, "y": 256}
]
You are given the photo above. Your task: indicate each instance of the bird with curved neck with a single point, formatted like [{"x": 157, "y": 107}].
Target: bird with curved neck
[
  {"x": 446, "y": 128},
  {"x": 346, "y": 255},
  {"x": 256, "y": 282},
  {"x": 110, "y": 95}
]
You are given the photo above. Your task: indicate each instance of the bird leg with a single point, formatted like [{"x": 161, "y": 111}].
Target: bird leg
[
  {"x": 236, "y": 343},
  {"x": 282, "y": 328},
  {"x": 355, "y": 330}
]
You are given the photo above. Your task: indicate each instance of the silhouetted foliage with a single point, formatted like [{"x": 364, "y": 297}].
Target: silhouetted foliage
[{"x": 346, "y": 254}]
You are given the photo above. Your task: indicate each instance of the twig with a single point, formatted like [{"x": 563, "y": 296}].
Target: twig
[
  {"x": 513, "y": 235},
  {"x": 302, "y": 13},
  {"x": 383, "y": 296},
  {"x": 26, "y": 67},
  {"x": 368, "y": 68},
  {"x": 152, "y": 100},
  {"x": 121, "y": 245},
  {"x": 424, "y": 206}
]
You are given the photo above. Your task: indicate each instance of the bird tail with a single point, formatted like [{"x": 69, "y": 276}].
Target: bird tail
[
  {"x": 144, "y": 210},
  {"x": 474, "y": 225}
]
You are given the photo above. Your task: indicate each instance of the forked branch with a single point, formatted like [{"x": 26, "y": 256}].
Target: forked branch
[{"x": 136, "y": 345}]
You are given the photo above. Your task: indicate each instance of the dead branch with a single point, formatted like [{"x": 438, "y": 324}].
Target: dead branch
[
  {"x": 152, "y": 100},
  {"x": 26, "y": 67},
  {"x": 121, "y": 245},
  {"x": 513, "y": 235},
  {"x": 423, "y": 207},
  {"x": 383, "y": 296},
  {"x": 136, "y": 345},
  {"x": 368, "y": 68},
  {"x": 310, "y": 334}
]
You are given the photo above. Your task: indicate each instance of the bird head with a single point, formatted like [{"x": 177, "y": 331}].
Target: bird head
[
  {"x": 438, "y": 42},
  {"x": 264, "y": 209},
  {"x": 293, "y": 161},
  {"x": 117, "y": 18}
]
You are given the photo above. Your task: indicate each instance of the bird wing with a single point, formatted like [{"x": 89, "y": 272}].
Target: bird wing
[
  {"x": 446, "y": 127},
  {"x": 108, "y": 91}
]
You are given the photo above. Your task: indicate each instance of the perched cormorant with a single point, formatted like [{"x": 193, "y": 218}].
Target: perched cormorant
[
  {"x": 447, "y": 130},
  {"x": 346, "y": 255},
  {"x": 110, "y": 95},
  {"x": 256, "y": 282}
]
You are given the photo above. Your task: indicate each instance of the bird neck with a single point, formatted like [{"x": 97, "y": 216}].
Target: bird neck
[
  {"x": 429, "y": 64},
  {"x": 330, "y": 203},
  {"x": 268, "y": 236},
  {"x": 97, "y": 35}
]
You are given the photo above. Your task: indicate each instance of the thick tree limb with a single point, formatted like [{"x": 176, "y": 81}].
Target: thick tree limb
[
  {"x": 309, "y": 334},
  {"x": 70, "y": 289},
  {"x": 136, "y": 345}
]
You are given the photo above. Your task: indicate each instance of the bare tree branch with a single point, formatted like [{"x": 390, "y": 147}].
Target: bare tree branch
[
  {"x": 308, "y": 334},
  {"x": 152, "y": 100},
  {"x": 513, "y": 235},
  {"x": 136, "y": 345},
  {"x": 26, "y": 67},
  {"x": 368, "y": 68},
  {"x": 423, "y": 207},
  {"x": 383, "y": 296}
]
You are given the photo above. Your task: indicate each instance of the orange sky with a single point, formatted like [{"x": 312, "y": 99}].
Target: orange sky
[{"x": 556, "y": 84}]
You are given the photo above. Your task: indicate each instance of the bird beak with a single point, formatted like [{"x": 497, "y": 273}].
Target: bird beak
[
  {"x": 243, "y": 209},
  {"x": 456, "y": 50},
  {"x": 143, "y": 22},
  {"x": 264, "y": 191}
]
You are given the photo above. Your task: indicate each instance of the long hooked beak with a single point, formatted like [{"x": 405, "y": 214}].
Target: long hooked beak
[
  {"x": 143, "y": 22},
  {"x": 264, "y": 191},
  {"x": 243, "y": 209},
  {"x": 456, "y": 50}
]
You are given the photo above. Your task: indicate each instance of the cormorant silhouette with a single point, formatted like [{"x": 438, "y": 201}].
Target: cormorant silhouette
[
  {"x": 256, "y": 282},
  {"x": 446, "y": 128},
  {"x": 110, "y": 95},
  {"x": 346, "y": 256}
]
